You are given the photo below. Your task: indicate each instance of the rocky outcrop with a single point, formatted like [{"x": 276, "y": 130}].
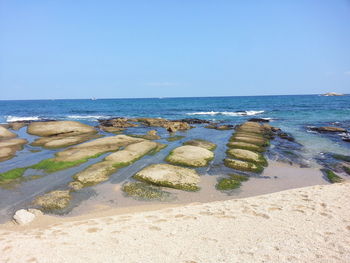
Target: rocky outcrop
[
  {"x": 194, "y": 121},
  {"x": 170, "y": 176},
  {"x": 120, "y": 123},
  {"x": 53, "y": 200},
  {"x": 170, "y": 126},
  {"x": 8, "y": 148},
  {"x": 246, "y": 155},
  {"x": 243, "y": 165},
  {"x": 144, "y": 191},
  {"x": 219, "y": 127},
  {"x": 60, "y": 141},
  {"x": 327, "y": 129},
  {"x": 151, "y": 135},
  {"x": 6, "y": 134},
  {"x": 17, "y": 125},
  {"x": 246, "y": 146},
  {"x": 189, "y": 155},
  {"x": 54, "y": 128},
  {"x": 201, "y": 143},
  {"x": 101, "y": 171}
]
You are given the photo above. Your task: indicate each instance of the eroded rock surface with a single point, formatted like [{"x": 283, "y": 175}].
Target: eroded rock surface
[
  {"x": 57, "y": 199},
  {"x": 52, "y": 128},
  {"x": 189, "y": 155},
  {"x": 8, "y": 148},
  {"x": 6, "y": 134},
  {"x": 201, "y": 143},
  {"x": 170, "y": 176}
]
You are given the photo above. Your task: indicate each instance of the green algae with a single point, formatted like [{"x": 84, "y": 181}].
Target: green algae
[
  {"x": 175, "y": 138},
  {"x": 331, "y": 176},
  {"x": 227, "y": 184},
  {"x": 250, "y": 168},
  {"x": 341, "y": 157},
  {"x": 239, "y": 177},
  {"x": 346, "y": 169},
  {"x": 13, "y": 174},
  {"x": 144, "y": 191}
]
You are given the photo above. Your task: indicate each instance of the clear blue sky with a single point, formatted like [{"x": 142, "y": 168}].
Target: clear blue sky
[{"x": 111, "y": 49}]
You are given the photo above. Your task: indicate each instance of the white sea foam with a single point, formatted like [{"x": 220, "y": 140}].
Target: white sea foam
[
  {"x": 227, "y": 113},
  {"x": 87, "y": 117},
  {"x": 16, "y": 118}
]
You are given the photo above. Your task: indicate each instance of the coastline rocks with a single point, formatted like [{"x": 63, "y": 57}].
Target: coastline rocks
[
  {"x": 17, "y": 125},
  {"x": 144, "y": 191},
  {"x": 194, "y": 121},
  {"x": 243, "y": 165},
  {"x": 246, "y": 155},
  {"x": 151, "y": 135},
  {"x": 60, "y": 141},
  {"x": 117, "y": 123},
  {"x": 249, "y": 139},
  {"x": 95, "y": 147},
  {"x": 57, "y": 199},
  {"x": 220, "y": 127},
  {"x": 189, "y": 155},
  {"x": 6, "y": 134},
  {"x": 170, "y": 176},
  {"x": 9, "y": 147},
  {"x": 111, "y": 129},
  {"x": 170, "y": 126},
  {"x": 246, "y": 146},
  {"x": 327, "y": 129},
  {"x": 201, "y": 143},
  {"x": 101, "y": 171},
  {"x": 23, "y": 217},
  {"x": 52, "y": 128},
  {"x": 259, "y": 120}
]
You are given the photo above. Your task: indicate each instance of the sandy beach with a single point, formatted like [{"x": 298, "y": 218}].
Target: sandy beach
[{"x": 298, "y": 225}]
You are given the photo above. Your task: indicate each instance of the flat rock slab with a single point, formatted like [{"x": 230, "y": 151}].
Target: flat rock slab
[
  {"x": 201, "y": 143},
  {"x": 243, "y": 165},
  {"x": 6, "y": 134},
  {"x": 57, "y": 199},
  {"x": 251, "y": 140},
  {"x": 95, "y": 147},
  {"x": 247, "y": 146},
  {"x": 100, "y": 172},
  {"x": 247, "y": 155},
  {"x": 60, "y": 141},
  {"x": 170, "y": 176},
  {"x": 52, "y": 128},
  {"x": 189, "y": 155},
  {"x": 9, "y": 147}
]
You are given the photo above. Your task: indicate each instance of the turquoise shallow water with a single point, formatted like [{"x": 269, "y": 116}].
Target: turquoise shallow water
[{"x": 292, "y": 113}]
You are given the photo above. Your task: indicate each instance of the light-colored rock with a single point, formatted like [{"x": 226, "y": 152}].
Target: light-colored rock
[
  {"x": 201, "y": 143},
  {"x": 23, "y": 217},
  {"x": 111, "y": 129},
  {"x": 6, "y": 134},
  {"x": 245, "y": 145},
  {"x": 63, "y": 141},
  {"x": 52, "y": 128},
  {"x": 251, "y": 140},
  {"x": 170, "y": 176},
  {"x": 57, "y": 199},
  {"x": 101, "y": 171},
  {"x": 190, "y": 156},
  {"x": 247, "y": 155},
  {"x": 243, "y": 165},
  {"x": 9, "y": 147},
  {"x": 95, "y": 147},
  {"x": 171, "y": 126},
  {"x": 13, "y": 142},
  {"x": 6, "y": 153},
  {"x": 17, "y": 125},
  {"x": 329, "y": 129}
]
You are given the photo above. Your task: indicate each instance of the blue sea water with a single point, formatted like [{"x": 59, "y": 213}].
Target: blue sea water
[{"x": 291, "y": 113}]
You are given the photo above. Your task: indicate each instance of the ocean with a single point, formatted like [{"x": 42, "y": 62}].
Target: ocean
[{"x": 292, "y": 113}]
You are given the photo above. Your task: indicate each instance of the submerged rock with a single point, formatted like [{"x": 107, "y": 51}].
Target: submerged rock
[
  {"x": 144, "y": 191},
  {"x": 259, "y": 120},
  {"x": 57, "y": 199},
  {"x": 6, "y": 134},
  {"x": 327, "y": 129},
  {"x": 247, "y": 155},
  {"x": 220, "y": 127},
  {"x": 201, "y": 143},
  {"x": 189, "y": 155},
  {"x": 243, "y": 165},
  {"x": 246, "y": 146},
  {"x": 170, "y": 176},
  {"x": 52, "y": 128},
  {"x": 151, "y": 135}
]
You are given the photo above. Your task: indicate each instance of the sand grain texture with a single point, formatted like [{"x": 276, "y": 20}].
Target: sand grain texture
[{"x": 309, "y": 224}]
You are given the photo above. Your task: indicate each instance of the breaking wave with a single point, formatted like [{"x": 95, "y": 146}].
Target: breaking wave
[
  {"x": 16, "y": 118},
  {"x": 227, "y": 113}
]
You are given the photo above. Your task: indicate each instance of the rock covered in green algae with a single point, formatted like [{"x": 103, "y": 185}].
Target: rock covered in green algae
[
  {"x": 246, "y": 146},
  {"x": 189, "y": 155},
  {"x": 170, "y": 176},
  {"x": 243, "y": 165},
  {"x": 228, "y": 184},
  {"x": 101, "y": 171},
  {"x": 57, "y": 199},
  {"x": 247, "y": 155},
  {"x": 201, "y": 143},
  {"x": 52, "y": 128},
  {"x": 144, "y": 191}
]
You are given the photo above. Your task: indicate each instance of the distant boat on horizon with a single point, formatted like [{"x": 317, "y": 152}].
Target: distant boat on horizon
[{"x": 93, "y": 98}]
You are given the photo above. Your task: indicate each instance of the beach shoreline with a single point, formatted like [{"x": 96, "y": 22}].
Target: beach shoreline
[{"x": 296, "y": 225}]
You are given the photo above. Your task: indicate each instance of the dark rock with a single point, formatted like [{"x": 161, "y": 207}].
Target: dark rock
[
  {"x": 327, "y": 129},
  {"x": 194, "y": 121},
  {"x": 259, "y": 120},
  {"x": 286, "y": 136}
]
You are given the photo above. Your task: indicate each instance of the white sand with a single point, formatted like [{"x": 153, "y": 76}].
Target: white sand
[{"x": 309, "y": 224}]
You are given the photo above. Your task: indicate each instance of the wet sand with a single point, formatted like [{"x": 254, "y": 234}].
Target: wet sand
[{"x": 298, "y": 225}]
